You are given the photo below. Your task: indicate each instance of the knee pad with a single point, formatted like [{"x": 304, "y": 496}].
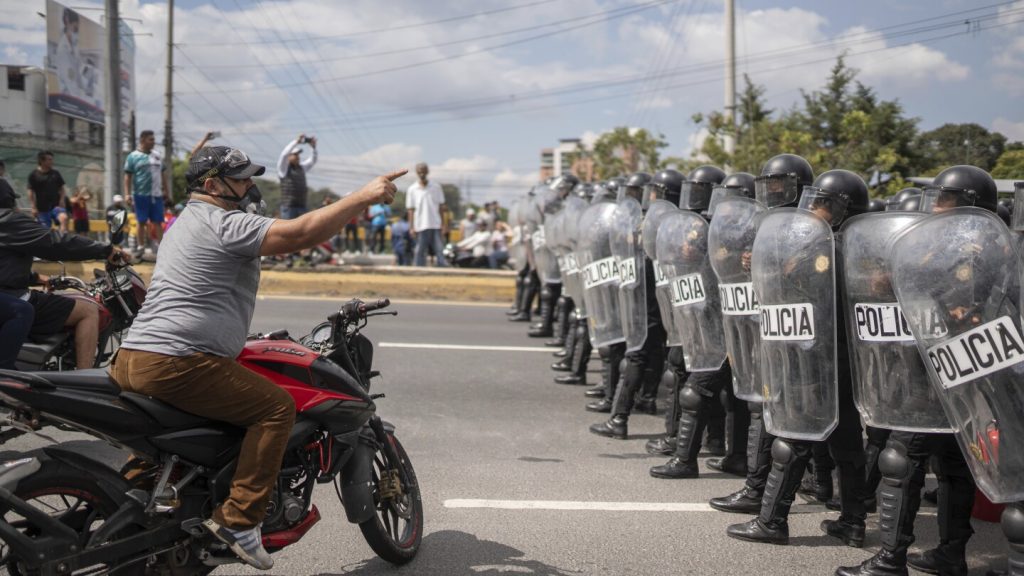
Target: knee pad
[
  {"x": 1013, "y": 523},
  {"x": 782, "y": 451},
  {"x": 893, "y": 461},
  {"x": 690, "y": 399}
]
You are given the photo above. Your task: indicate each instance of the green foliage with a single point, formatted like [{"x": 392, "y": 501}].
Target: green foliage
[
  {"x": 624, "y": 151},
  {"x": 842, "y": 125},
  {"x": 952, "y": 144},
  {"x": 1010, "y": 165}
]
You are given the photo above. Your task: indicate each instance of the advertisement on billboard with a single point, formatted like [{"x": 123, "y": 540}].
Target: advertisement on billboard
[{"x": 75, "y": 62}]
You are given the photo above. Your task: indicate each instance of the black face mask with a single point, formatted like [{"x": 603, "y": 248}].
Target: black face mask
[{"x": 251, "y": 201}]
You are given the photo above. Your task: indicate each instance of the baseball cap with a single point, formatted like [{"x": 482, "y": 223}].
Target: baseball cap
[
  {"x": 470, "y": 212},
  {"x": 117, "y": 198},
  {"x": 220, "y": 162}
]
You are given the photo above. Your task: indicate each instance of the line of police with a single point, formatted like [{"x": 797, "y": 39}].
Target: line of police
[{"x": 789, "y": 301}]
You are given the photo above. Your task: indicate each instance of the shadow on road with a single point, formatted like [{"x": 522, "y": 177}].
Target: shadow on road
[{"x": 454, "y": 553}]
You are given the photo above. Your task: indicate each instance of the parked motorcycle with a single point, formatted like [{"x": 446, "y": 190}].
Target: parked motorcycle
[
  {"x": 68, "y": 513},
  {"x": 117, "y": 290}
]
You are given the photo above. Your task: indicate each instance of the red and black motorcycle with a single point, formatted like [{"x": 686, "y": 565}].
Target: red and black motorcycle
[
  {"x": 65, "y": 512},
  {"x": 117, "y": 291}
]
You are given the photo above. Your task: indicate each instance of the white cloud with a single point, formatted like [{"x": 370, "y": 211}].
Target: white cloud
[{"x": 1014, "y": 131}]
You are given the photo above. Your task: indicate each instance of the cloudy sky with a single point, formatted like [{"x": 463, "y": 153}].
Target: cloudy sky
[{"x": 477, "y": 87}]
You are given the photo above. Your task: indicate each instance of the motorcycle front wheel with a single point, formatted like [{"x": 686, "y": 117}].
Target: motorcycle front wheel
[{"x": 396, "y": 530}]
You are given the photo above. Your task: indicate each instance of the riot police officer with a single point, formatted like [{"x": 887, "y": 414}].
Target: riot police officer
[
  {"x": 697, "y": 310},
  {"x": 798, "y": 411},
  {"x": 550, "y": 202},
  {"x": 778, "y": 185},
  {"x": 906, "y": 454},
  {"x": 643, "y": 367}
]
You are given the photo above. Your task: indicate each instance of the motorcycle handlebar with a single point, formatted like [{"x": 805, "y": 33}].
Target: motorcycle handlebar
[{"x": 358, "y": 309}]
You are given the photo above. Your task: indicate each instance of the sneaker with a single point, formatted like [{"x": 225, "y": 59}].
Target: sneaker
[{"x": 247, "y": 544}]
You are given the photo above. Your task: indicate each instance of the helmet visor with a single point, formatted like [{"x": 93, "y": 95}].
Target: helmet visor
[
  {"x": 776, "y": 190},
  {"x": 695, "y": 195},
  {"x": 634, "y": 192},
  {"x": 720, "y": 193},
  {"x": 941, "y": 198},
  {"x": 1017, "y": 216},
  {"x": 830, "y": 206},
  {"x": 651, "y": 193},
  {"x": 563, "y": 185}
]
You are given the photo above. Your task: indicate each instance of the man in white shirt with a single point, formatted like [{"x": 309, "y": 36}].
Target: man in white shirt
[{"x": 424, "y": 201}]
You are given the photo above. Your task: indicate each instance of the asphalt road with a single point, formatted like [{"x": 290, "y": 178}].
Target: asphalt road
[{"x": 491, "y": 425}]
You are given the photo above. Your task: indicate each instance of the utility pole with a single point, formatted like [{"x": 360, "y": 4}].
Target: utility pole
[
  {"x": 112, "y": 116},
  {"x": 169, "y": 94},
  {"x": 729, "y": 141}
]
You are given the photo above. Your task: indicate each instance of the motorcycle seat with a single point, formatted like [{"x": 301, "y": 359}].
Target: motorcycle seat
[
  {"x": 168, "y": 416},
  {"x": 35, "y": 351},
  {"x": 95, "y": 380}
]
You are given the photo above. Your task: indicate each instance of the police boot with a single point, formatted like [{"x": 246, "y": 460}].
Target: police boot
[
  {"x": 745, "y": 501},
  {"x": 517, "y": 300},
  {"x": 581, "y": 349},
  {"x": 1012, "y": 524},
  {"x": 674, "y": 379},
  {"x": 616, "y": 368},
  {"x": 691, "y": 424},
  {"x": 738, "y": 424},
  {"x": 896, "y": 516},
  {"x": 883, "y": 563},
  {"x": 663, "y": 446},
  {"x": 563, "y": 312},
  {"x": 545, "y": 328},
  {"x": 730, "y": 464},
  {"x": 615, "y": 427},
  {"x": 565, "y": 364},
  {"x": 530, "y": 289},
  {"x": 817, "y": 484},
  {"x": 629, "y": 385},
  {"x": 850, "y": 526},
  {"x": 772, "y": 524},
  {"x": 601, "y": 390},
  {"x": 715, "y": 444},
  {"x": 955, "y": 502}
]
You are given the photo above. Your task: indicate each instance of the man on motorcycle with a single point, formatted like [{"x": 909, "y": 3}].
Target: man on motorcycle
[
  {"x": 21, "y": 239},
  {"x": 182, "y": 346}
]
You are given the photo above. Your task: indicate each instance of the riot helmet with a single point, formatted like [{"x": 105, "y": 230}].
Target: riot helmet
[
  {"x": 633, "y": 186},
  {"x": 615, "y": 183},
  {"x": 1004, "y": 214},
  {"x": 563, "y": 184},
  {"x": 910, "y": 203},
  {"x": 602, "y": 193},
  {"x": 960, "y": 186},
  {"x": 835, "y": 196},
  {"x": 876, "y": 205},
  {"x": 666, "y": 185},
  {"x": 738, "y": 184},
  {"x": 695, "y": 192},
  {"x": 1017, "y": 210},
  {"x": 782, "y": 179},
  {"x": 897, "y": 199},
  {"x": 584, "y": 190}
]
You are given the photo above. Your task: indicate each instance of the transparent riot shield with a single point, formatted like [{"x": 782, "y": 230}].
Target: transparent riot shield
[
  {"x": 547, "y": 264},
  {"x": 890, "y": 382},
  {"x": 629, "y": 251},
  {"x": 517, "y": 245},
  {"x": 793, "y": 272},
  {"x": 599, "y": 270},
  {"x": 682, "y": 248},
  {"x": 957, "y": 276},
  {"x": 730, "y": 243},
  {"x": 565, "y": 249},
  {"x": 649, "y": 235}
]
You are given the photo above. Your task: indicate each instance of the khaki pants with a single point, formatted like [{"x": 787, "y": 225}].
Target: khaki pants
[{"x": 221, "y": 389}]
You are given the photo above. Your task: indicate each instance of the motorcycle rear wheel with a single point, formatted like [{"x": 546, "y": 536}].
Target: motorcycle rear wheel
[
  {"x": 396, "y": 530},
  {"x": 76, "y": 500}
]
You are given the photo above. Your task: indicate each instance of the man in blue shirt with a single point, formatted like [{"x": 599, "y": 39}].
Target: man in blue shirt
[
  {"x": 379, "y": 214},
  {"x": 147, "y": 187}
]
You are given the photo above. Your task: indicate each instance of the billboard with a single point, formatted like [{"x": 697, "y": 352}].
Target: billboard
[{"x": 75, "y": 62}]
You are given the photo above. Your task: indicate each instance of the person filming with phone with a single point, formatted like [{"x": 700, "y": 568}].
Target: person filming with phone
[{"x": 291, "y": 169}]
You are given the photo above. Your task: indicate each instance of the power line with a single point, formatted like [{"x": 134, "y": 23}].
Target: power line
[
  {"x": 762, "y": 57},
  {"x": 394, "y": 28},
  {"x": 627, "y": 12},
  {"x": 441, "y": 44}
]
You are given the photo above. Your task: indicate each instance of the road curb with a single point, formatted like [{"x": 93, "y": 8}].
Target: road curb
[{"x": 361, "y": 281}]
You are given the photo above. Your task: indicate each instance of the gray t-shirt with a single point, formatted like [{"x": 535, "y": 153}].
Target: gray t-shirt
[{"x": 203, "y": 292}]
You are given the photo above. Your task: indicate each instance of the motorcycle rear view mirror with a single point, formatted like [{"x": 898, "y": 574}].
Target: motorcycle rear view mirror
[{"x": 116, "y": 224}]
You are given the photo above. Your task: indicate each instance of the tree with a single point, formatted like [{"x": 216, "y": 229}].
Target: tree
[
  {"x": 1010, "y": 165},
  {"x": 952, "y": 144},
  {"x": 624, "y": 151}
]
